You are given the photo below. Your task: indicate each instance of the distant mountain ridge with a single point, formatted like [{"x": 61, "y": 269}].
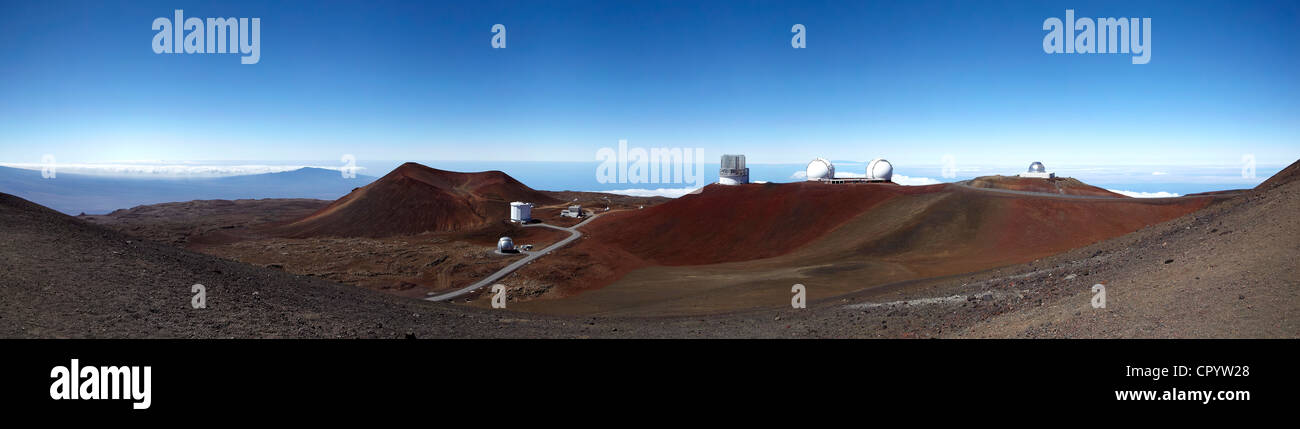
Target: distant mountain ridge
[{"x": 78, "y": 193}]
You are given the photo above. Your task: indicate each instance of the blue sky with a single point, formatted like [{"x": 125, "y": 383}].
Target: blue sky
[{"x": 911, "y": 81}]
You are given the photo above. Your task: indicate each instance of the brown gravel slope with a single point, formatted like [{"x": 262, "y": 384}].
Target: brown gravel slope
[
  {"x": 179, "y": 222},
  {"x": 1231, "y": 270},
  {"x": 63, "y": 277}
]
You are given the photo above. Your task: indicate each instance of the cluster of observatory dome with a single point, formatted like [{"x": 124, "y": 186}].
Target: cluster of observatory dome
[
  {"x": 734, "y": 171},
  {"x": 878, "y": 170}
]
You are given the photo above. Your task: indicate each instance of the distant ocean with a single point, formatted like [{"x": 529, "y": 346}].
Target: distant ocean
[{"x": 1133, "y": 180}]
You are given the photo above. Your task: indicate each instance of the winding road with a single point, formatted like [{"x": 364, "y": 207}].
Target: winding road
[{"x": 574, "y": 234}]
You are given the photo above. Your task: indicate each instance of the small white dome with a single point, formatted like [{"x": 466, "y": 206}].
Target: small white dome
[
  {"x": 505, "y": 244},
  {"x": 880, "y": 169},
  {"x": 820, "y": 169},
  {"x": 1037, "y": 167}
]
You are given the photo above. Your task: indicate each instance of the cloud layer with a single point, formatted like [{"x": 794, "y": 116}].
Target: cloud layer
[
  {"x": 168, "y": 170},
  {"x": 898, "y": 178},
  {"x": 661, "y": 192},
  {"x": 1144, "y": 194}
]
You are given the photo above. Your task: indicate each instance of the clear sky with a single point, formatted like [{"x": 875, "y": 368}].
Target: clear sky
[{"x": 908, "y": 80}]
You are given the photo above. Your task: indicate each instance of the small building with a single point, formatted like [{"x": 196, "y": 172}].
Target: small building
[
  {"x": 521, "y": 212},
  {"x": 572, "y": 211},
  {"x": 506, "y": 245},
  {"x": 1038, "y": 171},
  {"x": 733, "y": 171}
]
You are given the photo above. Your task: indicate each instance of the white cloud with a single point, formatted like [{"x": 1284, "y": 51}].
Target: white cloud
[
  {"x": 1158, "y": 173},
  {"x": 1144, "y": 194},
  {"x": 661, "y": 192},
  {"x": 169, "y": 170},
  {"x": 898, "y": 178},
  {"x": 914, "y": 181}
]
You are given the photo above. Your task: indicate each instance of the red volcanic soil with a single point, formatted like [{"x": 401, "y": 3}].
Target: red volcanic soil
[
  {"x": 1057, "y": 185},
  {"x": 843, "y": 237},
  {"x": 736, "y": 223},
  {"x": 970, "y": 230},
  {"x": 414, "y": 199}
]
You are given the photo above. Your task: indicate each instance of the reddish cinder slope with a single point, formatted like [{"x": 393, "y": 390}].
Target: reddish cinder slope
[
  {"x": 737, "y": 223},
  {"x": 1058, "y": 185},
  {"x": 414, "y": 199},
  {"x": 972, "y": 230},
  {"x": 1049, "y": 226},
  {"x": 903, "y": 232}
]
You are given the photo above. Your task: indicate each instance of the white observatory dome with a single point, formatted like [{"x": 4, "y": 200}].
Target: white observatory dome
[
  {"x": 1037, "y": 167},
  {"x": 820, "y": 169},
  {"x": 880, "y": 169},
  {"x": 505, "y": 244}
]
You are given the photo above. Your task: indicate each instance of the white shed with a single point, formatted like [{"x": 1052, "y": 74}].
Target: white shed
[{"x": 521, "y": 212}]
